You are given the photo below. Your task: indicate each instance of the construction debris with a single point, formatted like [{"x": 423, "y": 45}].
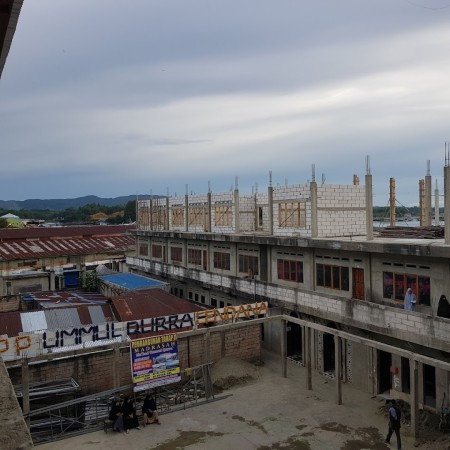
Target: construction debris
[{"x": 433, "y": 232}]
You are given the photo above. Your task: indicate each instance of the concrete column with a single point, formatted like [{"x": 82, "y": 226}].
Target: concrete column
[
  {"x": 52, "y": 280},
  {"x": 308, "y": 358},
  {"x": 392, "y": 217},
  {"x": 369, "y": 207},
  {"x": 283, "y": 349},
  {"x": 414, "y": 382},
  {"x": 116, "y": 376},
  {"x": 421, "y": 202},
  {"x": 427, "y": 202},
  {"x": 167, "y": 214},
  {"x": 151, "y": 214},
  {"x": 447, "y": 204},
  {"x": 209, "y": 213},
  {"x": 186, "y": 212},
  {"x": 237, "y": 222},
  {"x": 314, "y": 213},
  {"x": 206, "y": 348},
  {"x": 436, "y": 206},
  {"x": 270, "y": 197},
  {"x": 338, "y": 368},
  {"x": 26, "y": 390}
]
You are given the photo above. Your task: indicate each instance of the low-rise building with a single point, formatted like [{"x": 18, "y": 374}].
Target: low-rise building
[{"x": 42, "y": 259}]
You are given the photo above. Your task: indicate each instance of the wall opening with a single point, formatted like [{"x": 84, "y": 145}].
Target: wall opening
[
  {"x": 429, "y": 385},
  {"x": 384, "y": 372},
  {"x": 294, "y": 346},
  {"x": 406, "y": 379}
]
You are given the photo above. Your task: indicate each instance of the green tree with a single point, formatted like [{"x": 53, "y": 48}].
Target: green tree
[
  {"x": 90, "y": 281},
  {"x": 3, "y": 223},
  {"x": 130, "y": 211}
]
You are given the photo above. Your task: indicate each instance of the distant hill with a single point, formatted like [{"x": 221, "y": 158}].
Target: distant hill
[{"x": 61, "y": 204}]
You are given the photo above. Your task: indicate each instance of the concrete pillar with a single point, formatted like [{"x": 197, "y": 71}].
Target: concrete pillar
[
  {"x": 26, "y": 390},
  {"x": 52, "y": 280},
  {"x": 270, "y": 199},
  {"x": 209, "y": 212},
  {"x": 186, "y": 211},
  {"x": 283, "y": 349},
  {"x": 206, "y": 347},
  {"x": 167, "y": 226},
  {"x": 447, "y": 204},
  {"x": 436, "y": 206},
  {"x": 116, "y": 376},
  {"x": 308, "y": 358},
  {"x": 151, "y": 214},
  {"x": 237, "y": 223},
  {"x": 421, "y": 202},
  {"x": 369, "y": 207},
  {"x": 427, "y": 202},
  {"x": 314, "y": 213},
  {"x": 414, "y": 382},
  {"x": 392, "y": 216},
  {"x": 338, "y": 368}
]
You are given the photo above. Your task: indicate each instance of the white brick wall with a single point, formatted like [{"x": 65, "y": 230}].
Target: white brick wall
[{"x": 341, "y": 210}]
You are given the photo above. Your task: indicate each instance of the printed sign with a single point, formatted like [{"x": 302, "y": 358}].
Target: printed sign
[
  {"x": 35, "y": 344},
  {"x": 154, "y": 361}
]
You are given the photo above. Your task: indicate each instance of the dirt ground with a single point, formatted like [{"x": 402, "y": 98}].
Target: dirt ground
[{"x": 260, "y": 410}]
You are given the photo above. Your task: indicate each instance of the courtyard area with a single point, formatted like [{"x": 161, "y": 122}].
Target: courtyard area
[{"x": 268, "y": 412}]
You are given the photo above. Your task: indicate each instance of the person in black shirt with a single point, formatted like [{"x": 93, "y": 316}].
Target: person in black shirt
[
  {"x": 116, "y": 415},
  {"x": 149, "y": 411},
  {"x": 394, "y": 424},
  {"x": 130, "y": 419}
]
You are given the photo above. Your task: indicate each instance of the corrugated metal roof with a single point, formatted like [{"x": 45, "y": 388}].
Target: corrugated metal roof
[
  {"x": 96, "y": 313},
  {"x": 64, "y": 298},
  {"x": 62, "y": 318},
  {"x": 10, "y": 324},
  {"x": 150, "y": 303},
  {"x": 131, "y": 281},
  {"x": 33, "y": 321},
  {"x": 39, "y": 243},
  {"x": 58, "y": 232}
]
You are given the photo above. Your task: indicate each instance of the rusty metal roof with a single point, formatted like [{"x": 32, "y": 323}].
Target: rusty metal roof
[
  {"x": 59, "y": 232},
  {"x": 10, "y": 323},
  {"x": 15, "y": 323},
  {"x": 144, "y": 304},
  {"x": 48, "y": 242}
]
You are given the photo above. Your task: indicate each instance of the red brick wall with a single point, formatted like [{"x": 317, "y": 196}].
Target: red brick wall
[{"x": 94, "y": 371}]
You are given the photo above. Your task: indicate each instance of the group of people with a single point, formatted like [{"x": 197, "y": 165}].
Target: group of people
[
  {"x": 124, "y": 417},
  {"x": 410, "y": 300}
]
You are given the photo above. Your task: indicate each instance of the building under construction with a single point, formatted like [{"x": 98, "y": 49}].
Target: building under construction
[{"x": 310, "y": 250}]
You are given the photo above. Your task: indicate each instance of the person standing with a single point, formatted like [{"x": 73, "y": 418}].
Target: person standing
[
  {"x": 394, "y": 424},
  {"x": 410, "y": 300},
  {"x": 443, "y": 307}
]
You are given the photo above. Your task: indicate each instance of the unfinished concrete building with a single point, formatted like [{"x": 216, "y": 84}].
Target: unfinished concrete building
[{"x": 310, "y": 251}]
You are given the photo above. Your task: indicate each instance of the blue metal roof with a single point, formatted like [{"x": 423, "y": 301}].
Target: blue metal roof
[{"x": 131, "y": 281}]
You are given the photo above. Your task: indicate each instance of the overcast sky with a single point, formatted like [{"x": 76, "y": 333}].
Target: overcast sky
[{"x": 112, "y": 98}]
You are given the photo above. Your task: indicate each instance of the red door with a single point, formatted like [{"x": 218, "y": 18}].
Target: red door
[{"x": 358, "y": 284}]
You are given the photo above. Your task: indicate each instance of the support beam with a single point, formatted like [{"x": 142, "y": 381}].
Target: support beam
[
  {"x": 116, "y": 377},
  {"x": 308, "y": 358},
  {"x": 26, "y": 391},
  {"x": 283, "y": 349},
  {"x": 414, "y": 378},
  {"x": 338, "y": 368}
]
